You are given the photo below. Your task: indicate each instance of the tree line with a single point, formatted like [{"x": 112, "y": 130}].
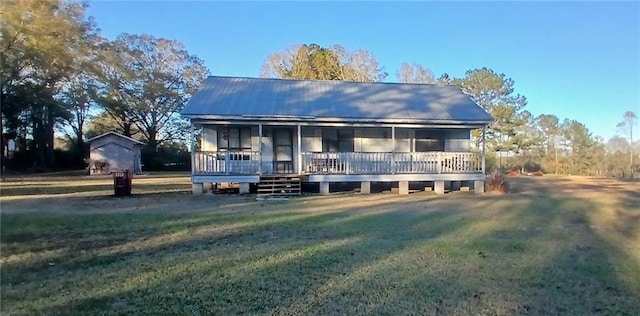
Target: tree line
[
  {"x": 516, "y": 140},
  {"x": 63, "y": 83},
  {"x": 61, "y": 77}
]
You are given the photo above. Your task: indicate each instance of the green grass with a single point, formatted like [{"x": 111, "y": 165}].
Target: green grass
[{"x": 347, "y": 254}]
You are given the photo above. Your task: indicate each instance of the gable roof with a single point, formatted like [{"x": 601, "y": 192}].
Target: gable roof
[
  {"x": 115, "y": 134},
  {"x": 318, "y": 100}
]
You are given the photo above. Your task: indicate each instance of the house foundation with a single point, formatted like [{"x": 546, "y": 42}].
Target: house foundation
[
  {"x": 245, "y": 188},
  {"x": 403, "y": 187},
  {"x": 478, "y": 186},
  {"x": 324, "y": 188},
  {"x": 197, "y": 188},
  {"x": 365, "y": 187},
  {"x": 438, "y": 187}
]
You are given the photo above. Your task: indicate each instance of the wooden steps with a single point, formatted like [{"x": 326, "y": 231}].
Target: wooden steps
[{"x": 279, "y": 185}]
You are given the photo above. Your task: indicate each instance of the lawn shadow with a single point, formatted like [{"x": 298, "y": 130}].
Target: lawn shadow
[{"x": 469, "y": 255}]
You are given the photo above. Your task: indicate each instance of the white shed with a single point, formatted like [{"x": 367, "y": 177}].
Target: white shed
[{"x": 113, "y": 151}]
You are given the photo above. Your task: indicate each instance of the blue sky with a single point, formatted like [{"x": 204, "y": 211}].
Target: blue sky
[{"x": 578, "y": 60}]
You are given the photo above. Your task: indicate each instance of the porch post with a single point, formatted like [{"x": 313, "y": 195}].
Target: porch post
[
  {"x": 196, "y": 188},
  {"x": 260, "y": 148},
  {"x": 192, "y": 147},
  {"x": 393, "y": 150},
  {"x": 484, "y": 150},
  {"x": 299, "y": 158}
]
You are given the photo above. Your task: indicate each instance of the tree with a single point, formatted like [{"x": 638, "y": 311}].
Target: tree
[
  {"x": 115, "y": 72},
  {"x": 78, "y": 95},
  {"x": 527, "y": 140},
  {"x": 414, "y": 73},
  {"x": 40, "y": 45},
  {"x": 629, "y": 120},
  {"x": 445, "y": 79},
  {"x": 580, "y": 145},
  {"x": 315, "y": 62},
  {"x": 495, "y": 94},
  {"x": 616, "y": 148},
  {"x": 102, "y": 122},
  {"x": 362, "y": 66},
  {"x": 550, "y": 129},
  {"x": 599, "y": 157},
  {"x": 147, "y": 81}
]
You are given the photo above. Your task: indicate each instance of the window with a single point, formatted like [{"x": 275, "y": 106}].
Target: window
[
  {"x": 337, "y": 140},
  {"x": 283, "y": 145},
  {"x": 429, "y": 140},
  {"x": 234, "y": 139}
]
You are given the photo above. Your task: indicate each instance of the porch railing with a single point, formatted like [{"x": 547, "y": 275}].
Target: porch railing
[
  {"x": 390, "y": 163},
  {"x": 226, "y": 162},
  {"x": 248, "y": 162}
]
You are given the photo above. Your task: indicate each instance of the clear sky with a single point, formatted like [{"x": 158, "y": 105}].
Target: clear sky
[{"x": 578, "y": 60}]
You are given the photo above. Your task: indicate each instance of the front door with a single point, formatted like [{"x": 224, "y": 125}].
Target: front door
[{"x": 282, "y": 151}]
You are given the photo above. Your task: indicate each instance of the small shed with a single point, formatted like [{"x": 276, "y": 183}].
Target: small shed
[{"x": 112, "y": 151}]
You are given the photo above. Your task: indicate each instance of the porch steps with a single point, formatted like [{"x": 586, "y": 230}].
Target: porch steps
[{"x": 279, "y": 185}]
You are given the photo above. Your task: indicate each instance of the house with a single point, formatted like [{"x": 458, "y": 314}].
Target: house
[
  {"x": 251, "y": 130},
  {"x": 112, "y": 151}
]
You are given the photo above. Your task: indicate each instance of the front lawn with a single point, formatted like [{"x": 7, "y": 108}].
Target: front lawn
[{"x": 534, "y": 254}]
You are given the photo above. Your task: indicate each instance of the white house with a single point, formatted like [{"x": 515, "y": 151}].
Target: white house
[{"x": 254, "y": 130}]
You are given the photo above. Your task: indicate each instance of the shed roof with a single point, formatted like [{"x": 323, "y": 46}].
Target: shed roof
[
  {"x": 115, "y": 134},
  {"x": 261, "y": 98}
]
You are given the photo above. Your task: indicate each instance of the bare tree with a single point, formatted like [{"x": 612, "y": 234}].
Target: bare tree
[
  {"x": 414, "y": 73},
  {"x": 629, "y": 120},
  {"x": 315, "y": 62},
  {"x": 363, "y": 67}
]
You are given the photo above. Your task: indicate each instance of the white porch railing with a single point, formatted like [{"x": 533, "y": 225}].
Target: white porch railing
[
  {"x": 248, "y": 162},
  {"x": 226, "y": 162},
  {"x": 391, "y": 163}
]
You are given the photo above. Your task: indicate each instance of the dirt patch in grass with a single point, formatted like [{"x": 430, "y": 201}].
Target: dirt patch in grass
[{"x": 554, "y": 246}]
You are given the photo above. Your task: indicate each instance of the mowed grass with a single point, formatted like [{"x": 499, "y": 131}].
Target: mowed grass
[{"x": 537, "y": 252}]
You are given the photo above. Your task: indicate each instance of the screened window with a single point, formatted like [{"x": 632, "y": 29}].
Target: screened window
[
  {"x": 283, "y": 145},
  {"x": 337, "y": 140},
  {"x": 429, "y": 140},
  {"x": 234, "y": 139}
]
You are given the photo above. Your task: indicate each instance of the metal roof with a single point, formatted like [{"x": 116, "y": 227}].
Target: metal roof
[
  {"x": 115, "y": 134},
  {"x": 308, "y": 100}
]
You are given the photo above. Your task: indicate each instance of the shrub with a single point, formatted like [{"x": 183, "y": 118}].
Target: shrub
[{"x": 497, "y": 183}]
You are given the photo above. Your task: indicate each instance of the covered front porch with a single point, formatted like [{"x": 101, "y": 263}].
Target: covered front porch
[{"x": 327, "y": 153}]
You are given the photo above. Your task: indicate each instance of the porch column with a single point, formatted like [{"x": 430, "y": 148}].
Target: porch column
[
  {"x": 438, "y": 186},
  {"x": 260, "y": 148},
  {"x": 244, "y": 188},
  {"x": 192, "y": 148},
  {"x": 299, "y": 158},
  {"x": 484, "y": 150},
  {"x": 478, "y": 186},
  {"x": 403, "y": 187},
  {"x": 197, "y": 188},
  {"x": 365, "y": 187},
  {"x": 324, "y": 188},
  {"x": 393, "y": 149}
]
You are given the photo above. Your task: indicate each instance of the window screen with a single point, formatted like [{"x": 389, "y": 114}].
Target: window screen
[
  {"x": 337, "y": 140},
  {"x": 234, "y": 139},
  {"x": 429, "y": 140}
]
